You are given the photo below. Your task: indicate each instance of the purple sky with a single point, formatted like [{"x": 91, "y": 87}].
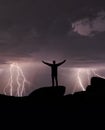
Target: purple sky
[{"x": 36, "y": 30}]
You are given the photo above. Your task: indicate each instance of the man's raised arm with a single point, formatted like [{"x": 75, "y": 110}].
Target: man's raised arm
[
  {"x": 47, "y": 63},
  {"x": 61, "y": 62}
]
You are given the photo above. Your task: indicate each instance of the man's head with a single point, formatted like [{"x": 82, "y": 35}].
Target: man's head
[{"x": 54, "y": 62}]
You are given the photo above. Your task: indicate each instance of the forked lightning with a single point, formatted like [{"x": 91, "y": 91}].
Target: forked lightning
[{"x": 17, "y": 81}]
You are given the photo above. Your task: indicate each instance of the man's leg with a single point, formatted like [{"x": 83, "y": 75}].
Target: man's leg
[
  {"x": 52, "y": 81},
  {"x": 56, "y": 78}
]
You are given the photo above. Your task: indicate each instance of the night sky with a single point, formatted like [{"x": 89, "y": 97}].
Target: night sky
[{"x": 36, "y": 30}]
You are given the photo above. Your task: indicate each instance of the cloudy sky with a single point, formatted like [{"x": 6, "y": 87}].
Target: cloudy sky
[{"x": 36, "y": 30}]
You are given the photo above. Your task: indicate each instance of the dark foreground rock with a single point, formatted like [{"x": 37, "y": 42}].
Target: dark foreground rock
[
  {"x": 49, "y": 92},
  {"x": 49, "y": 108}
]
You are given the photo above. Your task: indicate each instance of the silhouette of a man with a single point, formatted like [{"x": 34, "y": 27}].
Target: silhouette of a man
[{"x": 54, "y": 68}]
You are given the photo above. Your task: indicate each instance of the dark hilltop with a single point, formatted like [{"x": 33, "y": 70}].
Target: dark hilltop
[{"x": 50, "y": 105}]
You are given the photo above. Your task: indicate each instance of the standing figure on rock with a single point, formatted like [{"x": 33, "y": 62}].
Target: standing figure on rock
[{"x": 54, "y": 68}]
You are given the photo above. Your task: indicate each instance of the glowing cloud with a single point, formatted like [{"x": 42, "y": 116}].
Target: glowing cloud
[{"x": 89, "y": 27}]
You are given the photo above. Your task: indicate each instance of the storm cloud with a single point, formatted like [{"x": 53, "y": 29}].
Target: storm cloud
[
  {"x": 36, "y": 30},
  {"x": 90, "y": 27}
]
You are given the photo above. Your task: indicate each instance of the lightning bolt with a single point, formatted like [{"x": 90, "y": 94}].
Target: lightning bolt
[
  {"x": 80, "y": 80},
  {"x": 94, "y": 72},
  {"x": 17, "y": 81},
  {"x": 88, "y": 76},
  {"x": 83, "y": 73}
]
